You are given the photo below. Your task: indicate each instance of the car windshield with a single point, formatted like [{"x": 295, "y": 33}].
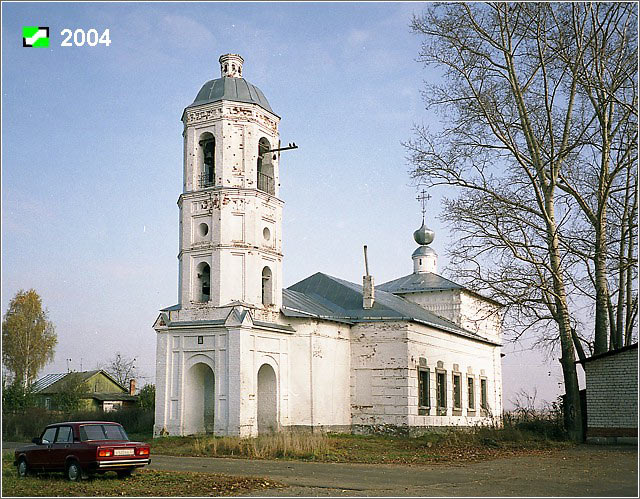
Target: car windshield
[{"x": 102, "y": 432}]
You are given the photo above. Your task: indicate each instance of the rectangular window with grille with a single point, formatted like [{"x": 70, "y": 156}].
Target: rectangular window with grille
[
  {"x": 441, "y": 389},
  {"x": 423, "y": 388},
  {"x": 471, "y": 395},
  {"x": 483, "y": 394},
  {"x": 457, "y": 391}
]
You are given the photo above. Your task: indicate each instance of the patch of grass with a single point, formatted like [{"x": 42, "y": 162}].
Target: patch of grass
[
  {"x": 288, "y": 445},
  {"x": 450, "y": 446},
  {"x": 143, "y": 483}
]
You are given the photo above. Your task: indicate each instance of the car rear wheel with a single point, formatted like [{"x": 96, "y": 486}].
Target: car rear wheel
[
  {"x": 23, "y": 468},
  {"x": 125, "y": 473},
  {"x": 74, "y": 472}
]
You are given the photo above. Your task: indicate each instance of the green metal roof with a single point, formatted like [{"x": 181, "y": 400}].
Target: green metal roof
[{"x": 233, "y": 89}]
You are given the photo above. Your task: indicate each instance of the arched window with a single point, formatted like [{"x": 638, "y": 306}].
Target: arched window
[
  {"x": 203, "y": 283},
  {"x": 267, "y": 287},
  {"x": 207, "y": 158},
  {"x": 265, "y": 167}
]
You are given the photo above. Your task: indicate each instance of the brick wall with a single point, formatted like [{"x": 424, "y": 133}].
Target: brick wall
[{"x": 612, "y": 392}]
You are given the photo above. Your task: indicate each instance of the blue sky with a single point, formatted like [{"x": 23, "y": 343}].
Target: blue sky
[{"x": 92, "y": 156}]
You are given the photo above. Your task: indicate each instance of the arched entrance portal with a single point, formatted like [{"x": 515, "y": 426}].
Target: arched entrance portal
[
  {"x": 267, "y": 400},
  {"x": 199, "y": 401}
]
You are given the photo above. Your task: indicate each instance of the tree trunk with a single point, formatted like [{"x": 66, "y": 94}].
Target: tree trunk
[
  {"x": 602, "y": 295},
  {"x": 573, "y": 412}
]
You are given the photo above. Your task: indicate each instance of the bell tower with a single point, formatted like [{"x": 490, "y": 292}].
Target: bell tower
[{"x": 230, "y": 247}]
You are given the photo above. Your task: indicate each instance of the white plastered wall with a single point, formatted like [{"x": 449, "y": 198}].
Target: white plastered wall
[
  {"x": 320, "y": 365},
  {"x": 178, "y": 351},
  {"x": 384, "y": 379}
]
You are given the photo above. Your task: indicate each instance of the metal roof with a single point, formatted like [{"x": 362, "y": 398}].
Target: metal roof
[
  {"x": 328, "y": 297},
  {"x": 177, "y": 306},
  {"x": 102, "y": 397},
  {"x": 608, "y": 353},
  {"x": 422, "y": 281},
  {"x": 51, "y": 383},
  {"x": 47, "y": 380},
  {"x": 233, "y": 89}
]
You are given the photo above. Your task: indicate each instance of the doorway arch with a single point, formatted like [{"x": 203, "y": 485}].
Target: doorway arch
[
  {"x": 199, "y": 399},
  {"x": 267, "y": 400}
]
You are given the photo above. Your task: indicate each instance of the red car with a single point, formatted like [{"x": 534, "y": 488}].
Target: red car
[{"x": 80, "y": 449}]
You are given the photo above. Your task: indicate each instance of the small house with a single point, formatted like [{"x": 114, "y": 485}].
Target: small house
[
  {"x": 612, "y": 396},
  {"x": 98, "y": 390}
]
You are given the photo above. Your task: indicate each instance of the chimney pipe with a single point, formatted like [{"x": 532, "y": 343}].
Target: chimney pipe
[
  {"x": 132, "y": 387},
  {"x": 368, "y": 291}
]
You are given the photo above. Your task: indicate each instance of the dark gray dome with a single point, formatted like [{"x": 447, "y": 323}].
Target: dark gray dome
[{"x": 233, "y": 89}]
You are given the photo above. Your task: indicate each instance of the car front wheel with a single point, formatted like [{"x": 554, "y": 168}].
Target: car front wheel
[
  {"x": 23, "y": 468},
  {"x": 74, "y": 473}
]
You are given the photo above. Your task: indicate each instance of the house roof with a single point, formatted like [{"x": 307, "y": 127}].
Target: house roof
[
  {"x": 326, "y": 297},
  {"x": 102, "y": 397},
  {"x": 47, "y": 380},
  {"x": 609, "y": 353},
  {"x": 52, "y": 383}
]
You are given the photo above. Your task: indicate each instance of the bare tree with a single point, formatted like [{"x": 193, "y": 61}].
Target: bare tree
[
  {"x": 597, "y": 42},
  {"x": 123, "y": 369},
  {"x": 516, "y": 118}
]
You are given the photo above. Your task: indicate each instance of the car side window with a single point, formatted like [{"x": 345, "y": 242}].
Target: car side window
[
  {"x": 91, "y": 432},
  {"x": 65, "y": 435},
  {"x": 48, "y": 435}
]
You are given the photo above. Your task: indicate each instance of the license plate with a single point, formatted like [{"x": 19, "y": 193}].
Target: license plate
[{"x": 123, "y": 452}]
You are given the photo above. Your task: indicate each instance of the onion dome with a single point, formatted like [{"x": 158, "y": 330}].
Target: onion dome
[{"x": 424, "y": 235}]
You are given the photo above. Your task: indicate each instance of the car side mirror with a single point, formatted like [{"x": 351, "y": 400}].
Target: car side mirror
[{"x": 36, "y": 440}]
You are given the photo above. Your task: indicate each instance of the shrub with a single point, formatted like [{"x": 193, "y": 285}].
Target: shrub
[
  {"x": 147, "y": 397},
  {"x": 26, "y": 425},
  {"x": 22, "y": 426},
  {"x": 16, "y": 398}
]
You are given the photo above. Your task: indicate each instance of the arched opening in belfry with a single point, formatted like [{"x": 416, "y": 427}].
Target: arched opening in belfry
[
  {"x": 267, "y": 286},
  {"x": 203, "y": 282},
  {"x": 199, "y": 399},
  {"x": 265, "y": 167},
  {"x": 207, "y": 159},
  {"x": 267, "y": 400}
]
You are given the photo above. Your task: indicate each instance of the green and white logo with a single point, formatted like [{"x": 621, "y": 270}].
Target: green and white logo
[{"x": 35, "y": 36}]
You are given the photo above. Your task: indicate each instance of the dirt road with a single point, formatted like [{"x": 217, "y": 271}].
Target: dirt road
[{"x": 585, "y": 470}]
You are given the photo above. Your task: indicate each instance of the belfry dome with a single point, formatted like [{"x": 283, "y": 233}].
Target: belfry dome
[{"x": 231, "y": 86}]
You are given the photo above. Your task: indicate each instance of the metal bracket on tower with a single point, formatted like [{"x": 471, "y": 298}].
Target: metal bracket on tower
[{"x": 292, "y": 145}]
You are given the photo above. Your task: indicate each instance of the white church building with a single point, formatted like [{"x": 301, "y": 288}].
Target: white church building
[{"x": 239, "y": 355}]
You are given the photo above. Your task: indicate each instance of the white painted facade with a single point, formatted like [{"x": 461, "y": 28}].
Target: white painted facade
[{"x": 235, "y": 358}]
